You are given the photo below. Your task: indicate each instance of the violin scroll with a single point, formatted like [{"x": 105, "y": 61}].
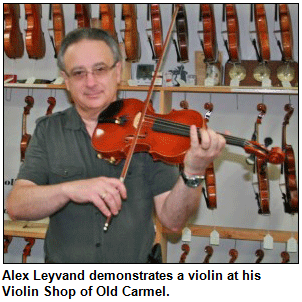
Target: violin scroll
[
  {"x": 209, "y": 250},
  {"x": 186, "y": 249},
  {"x": 260, "y": 254}
]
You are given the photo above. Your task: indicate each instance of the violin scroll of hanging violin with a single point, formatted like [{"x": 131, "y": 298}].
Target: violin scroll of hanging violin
[
  {"x": 13, "y": 40},
  {"x": 29, "y": 100},
  {"x": 209, "y": 251},
  {"x": 289, "y": 167},
  {"x": 52, "y": 103},
  {"x": 171, "y": 130},
  {"x": 186, "y": 249},
  {"x": 234, "y": 255},
  {"x": 260, "y": 254},
  {"x": 35, "y": 42}
]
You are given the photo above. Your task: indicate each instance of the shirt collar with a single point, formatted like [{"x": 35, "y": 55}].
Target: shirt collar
[{"x": 73, "y": 119}]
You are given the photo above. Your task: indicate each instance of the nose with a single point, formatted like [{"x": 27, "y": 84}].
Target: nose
[{"x": 90, "y": 79}]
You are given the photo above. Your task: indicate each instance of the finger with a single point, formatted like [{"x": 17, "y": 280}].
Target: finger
[
  {"x": 205, "y": 138},
  {"x": 101, "y": 205},
  {"x": 112, "y": 202},
  {"x": 119, "y": 186},
  {"x": 194, "y": 137}
]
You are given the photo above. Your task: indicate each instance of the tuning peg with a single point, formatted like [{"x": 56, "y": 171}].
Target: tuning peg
[{"x": 268, "y": 141}]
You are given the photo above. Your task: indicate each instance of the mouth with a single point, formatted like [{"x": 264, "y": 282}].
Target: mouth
[{"x": 93, "y": 95}]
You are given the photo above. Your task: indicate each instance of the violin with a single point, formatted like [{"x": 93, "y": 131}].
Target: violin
[
  {"x": 209, "y": 33},
  {"x": 13, "y": 39},
  {"x": 182, "y": 34},
  {"x": 166, "y": 137},
  {"x": 289, "y": 167},
  {"x": 209, "y": 251},
  {"x": 286, "y": 32},
  {"x": 132, "y": 41},
  {"x": 261, "y": 169},
  {"x": 35, "y": 42},
  {"x": 234, "y": 255},
  {"x": 262, "y": 32},
  {"x": 210, "y": 179},
  {"x": 233, "y": 32},
  {"x": 29, "y": 100},
  {"x": 82, "y": 15},
  {"x": 186, "y": 249},
  {"x": 107, "y": 16},
  {"x": 58, "y": 26},
  {"x": 157, "y": 31},
  {"x": 52, "y": 103}
]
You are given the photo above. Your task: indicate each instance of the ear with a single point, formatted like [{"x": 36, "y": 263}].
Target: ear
[
  {"x": 66, "y": 79},
  {"x": 119, "y": 72}
]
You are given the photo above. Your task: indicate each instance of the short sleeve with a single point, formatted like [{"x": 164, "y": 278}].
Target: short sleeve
[{"x": 162, "y": 177}]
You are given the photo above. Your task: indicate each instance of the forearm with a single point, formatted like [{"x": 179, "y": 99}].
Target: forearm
[
  {"x": 28, "y": 201},
  {"x": 179, "y": 205}
]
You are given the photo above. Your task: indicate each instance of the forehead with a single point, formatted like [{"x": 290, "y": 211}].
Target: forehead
[{"x": 87, "y": 53}]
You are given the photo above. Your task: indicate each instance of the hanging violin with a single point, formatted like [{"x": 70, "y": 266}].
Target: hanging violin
[
  {"x": 29, "y": 100},
  {"x": 234, "y": 255},
  {"x": 182, "y": 34},
  {"x": 58, "y": 25},
  {"x": 35, "y": 42},
  {"x": 107, "y": 16},
  {"x": 289, "y": 168},
  {"x": 82, "y": 15},
  {"x": 260, "y": 168},
  {"x": 131, "y": 38},
  {"x": 157, "y": 31},
  {"x": 186, "y": 249},
  {"x": 13, "y": 40},
  {"x": 262, "y": 72},
  {"x": 209, "y": 251},
  {"x": 233, "y": 42},
  {"x": 286, "y": 71},
  {"x": 210, "y": 180}
]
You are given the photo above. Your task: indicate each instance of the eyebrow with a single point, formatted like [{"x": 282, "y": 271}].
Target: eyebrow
[{"x": 94, "y": 65}]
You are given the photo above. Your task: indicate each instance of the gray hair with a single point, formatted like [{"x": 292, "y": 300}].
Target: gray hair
[{"x": 88, "y": 34}]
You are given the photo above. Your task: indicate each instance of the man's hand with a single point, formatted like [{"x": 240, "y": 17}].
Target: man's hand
[
  {"x": 201, "y": 154},
  {"x": 105, "y": 193}
]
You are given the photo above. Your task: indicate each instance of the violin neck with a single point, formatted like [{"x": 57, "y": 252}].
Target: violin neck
[{"x": 166, "y": 126}]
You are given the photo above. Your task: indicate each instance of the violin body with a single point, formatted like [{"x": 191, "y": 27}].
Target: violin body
[
  {"x": 233, "y": 32},
  {"x": 82, "y": 14},
  {"x": 167, "y": 147},
  {"x": 286, "y": 32},
  {"x": 132, "y": 41},
  {"x": 262, "y": 31},
  {"x": 35, "y": 42},
  {"x": 58, "y": 25},
  {"x": 13, "y": 40},
  {"x": 157, "y": 32},
  {"x": 107, "y": 16},
  {"x": 182, "y": 33},
  {"x": 209, "y": 32}
]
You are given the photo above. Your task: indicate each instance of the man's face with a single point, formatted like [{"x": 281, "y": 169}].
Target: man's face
[{"x": 90, "y": 75}]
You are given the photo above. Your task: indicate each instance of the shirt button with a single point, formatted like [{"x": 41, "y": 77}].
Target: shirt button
[{"x": 98, "y": 245}]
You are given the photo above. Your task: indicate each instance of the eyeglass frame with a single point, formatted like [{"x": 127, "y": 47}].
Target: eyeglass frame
[{"x": 108, "y": 68}]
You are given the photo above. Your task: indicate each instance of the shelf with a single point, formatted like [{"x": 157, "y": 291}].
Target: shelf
[{"x": 193, "y": 89}]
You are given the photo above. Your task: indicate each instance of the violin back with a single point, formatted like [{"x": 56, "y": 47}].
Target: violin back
[{"x": 13, "y": 39}]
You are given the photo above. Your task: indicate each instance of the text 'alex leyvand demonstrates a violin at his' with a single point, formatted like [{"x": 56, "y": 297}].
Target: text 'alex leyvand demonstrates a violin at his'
[{"x": 63, "y": 178}]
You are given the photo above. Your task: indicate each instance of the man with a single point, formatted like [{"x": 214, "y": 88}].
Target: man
[{"x": 62, "y": 177}]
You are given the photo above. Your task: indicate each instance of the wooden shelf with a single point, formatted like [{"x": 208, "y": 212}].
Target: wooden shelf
[
  {"x": 193, "y": 89},
  {"x": 25, "y": 229}
]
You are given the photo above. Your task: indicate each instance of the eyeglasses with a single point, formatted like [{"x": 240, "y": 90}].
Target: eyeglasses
[{"x": 98, "y": 72}]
